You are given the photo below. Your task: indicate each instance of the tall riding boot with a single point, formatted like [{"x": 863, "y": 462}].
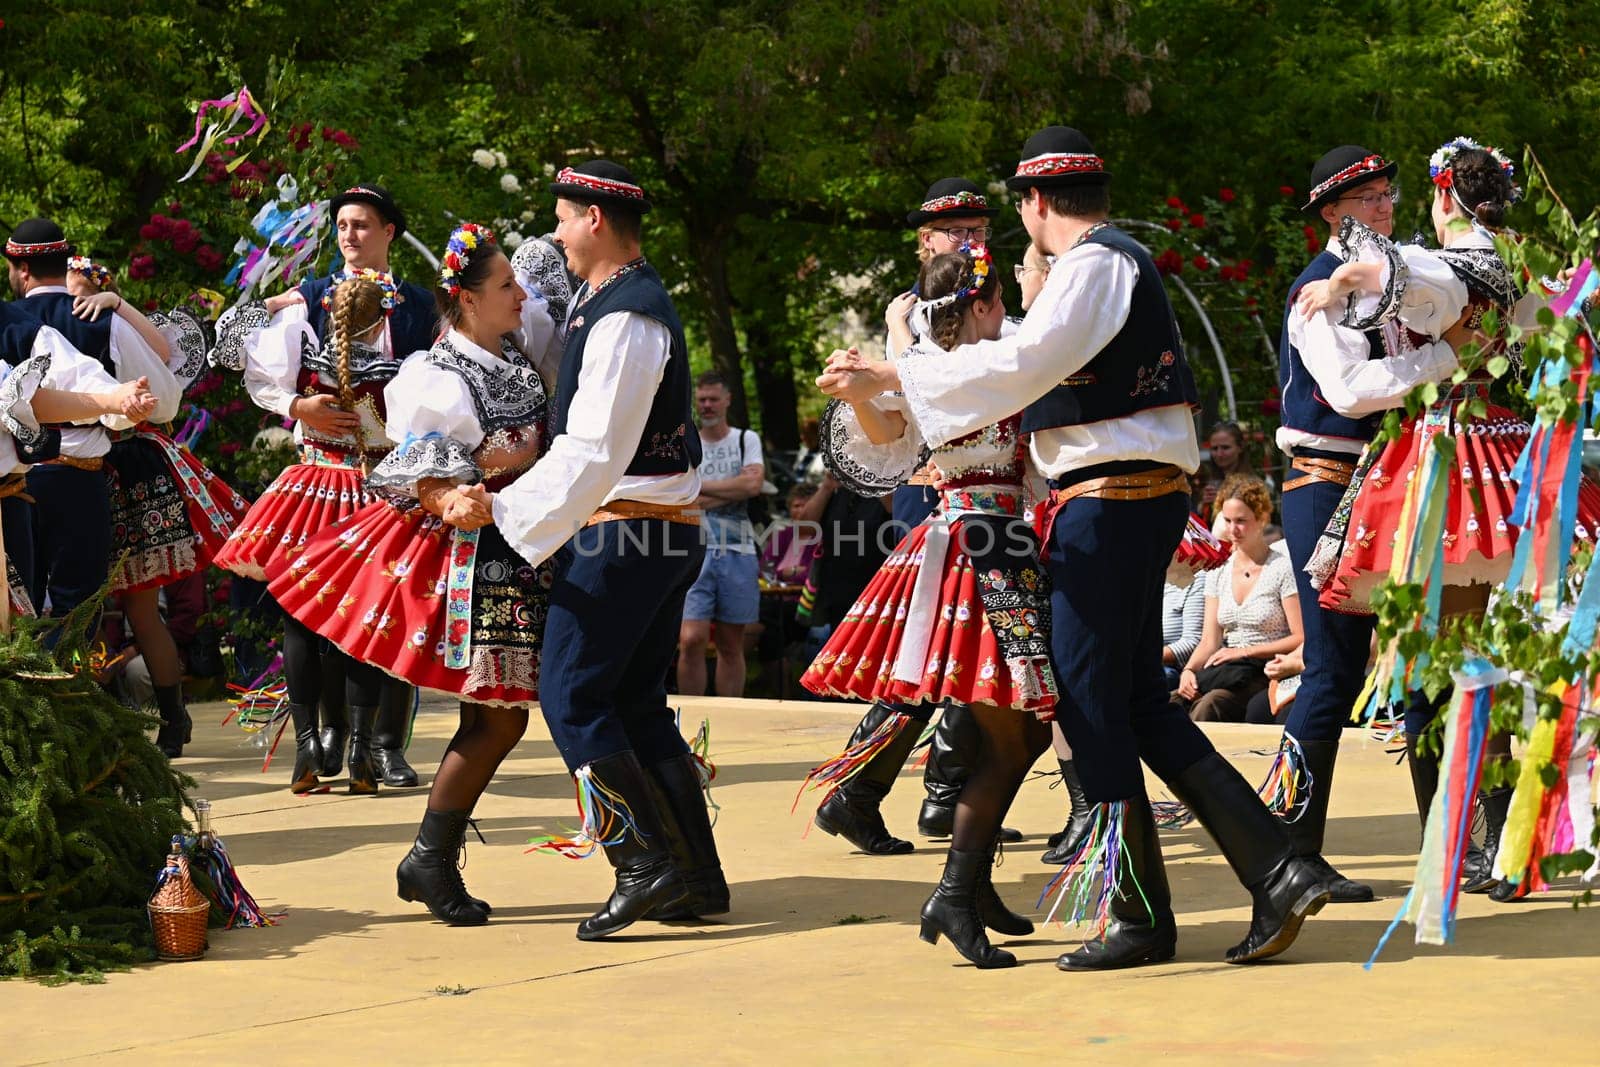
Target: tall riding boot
[
  {"x": 429, "y": 873},
  {"x": 176, "y": 726},
  {"x": 852, "y": 811},
  {"x": 363, "y": 768},
  {"x": 953, "y": 911},
  {"x": 1285, "y": 888},
  {"x": 1306, "y": 832},
  {"x": 1142, "y": 929},
  {"x": 389, "y": 736},
  {"x": 1424, "y": 778},
  {"x": 675, "y": 786},
  {"x": 952, "y": 757},
  {"x": 646, "y": 880},
  {"x": 335, "y": 724},
  {"x": 1062, "y": 844},
  {"x": 307, "y": 754},
  {"x": 1477, "y": 874}
]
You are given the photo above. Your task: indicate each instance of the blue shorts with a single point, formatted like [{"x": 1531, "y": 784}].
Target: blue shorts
[{"x": 728, "y": 589}]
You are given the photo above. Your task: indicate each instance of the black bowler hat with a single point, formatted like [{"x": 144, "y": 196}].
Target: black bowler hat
[
  {"x": 601, "y": 181},
  {"x": 1058, "y": 156},
  {"x": 377, "y": 196},
  {"x": 36, "y": 237},
  {"x": 1343, "y": 168},
  {"x": 952, "y": 198}
]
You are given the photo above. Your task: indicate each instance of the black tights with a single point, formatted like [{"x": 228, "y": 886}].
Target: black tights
[
  {"x": 304, "y": 654},
  {"x": 484, "y": 738},
  {"x": 1012, "y": 742}
]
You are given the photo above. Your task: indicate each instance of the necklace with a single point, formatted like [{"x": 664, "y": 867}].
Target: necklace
[
  {"x": 627, "y": 268},
  {"x": 1091, "y": 231}
]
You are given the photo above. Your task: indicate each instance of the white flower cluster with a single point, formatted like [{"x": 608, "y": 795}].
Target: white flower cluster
[{"x": 487, "y": 159}]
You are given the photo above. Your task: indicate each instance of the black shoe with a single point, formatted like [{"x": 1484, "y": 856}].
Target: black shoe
[
  {"x": 675, "y": 786},
  {"x": 1306, "y": 832},
  {"x": 953, "y": 755},
  {"x": 1477, "y": 871},
  {"x": 176, "y": 726},
  {"x": 992, "y": 910},
  {"x": 307, "y": 753},
  {"x": 1284, "y": 887},
  {"x": 646, "y": 880},
  {"x": 1506, "y": 892},
  {"x": 1142, "y": 929},
  {"x": 852, "y": 811},
  {"x": 1063, "y": 844},
  {"x": 363, "y": 768},
  {"x": 953, "y": 912},
  {"x": 389, "y": 736},
  {"x": 429, "y": 873}
]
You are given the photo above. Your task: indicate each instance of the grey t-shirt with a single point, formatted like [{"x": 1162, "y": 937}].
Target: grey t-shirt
[{"x": 729, "y": 526}]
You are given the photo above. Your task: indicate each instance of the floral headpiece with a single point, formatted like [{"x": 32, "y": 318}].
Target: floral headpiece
[
  {"x": 464, "y": 241},
  {"x": 98, "y": 276},
  {"x": 385, "y": 282},
  {"x": 981, "y": 263},
  {"x": 1440, "y": 164}
]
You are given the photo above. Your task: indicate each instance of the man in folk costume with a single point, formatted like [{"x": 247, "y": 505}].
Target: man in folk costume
[
  {"x": 1336, "y": 384},
  {"x": 620, "y": 484},
  {"x": 953, "y": 212},
  {"x": 367, "y": 222},
  {"x": 1099, "y": 374},
  {"x": 72, "y": 503}
]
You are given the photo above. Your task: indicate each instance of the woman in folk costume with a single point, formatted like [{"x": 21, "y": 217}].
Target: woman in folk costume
[
  {"x": 336, "y": 391},
  {"x": 444, "y": 609},
  {"x": 1428, "y": 291},
  {"x": 170, "y": 515},
  {"x": 960, "y": 612}
]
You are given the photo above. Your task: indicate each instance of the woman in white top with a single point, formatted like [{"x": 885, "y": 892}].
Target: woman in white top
[{"x": 1252, "y": 611}]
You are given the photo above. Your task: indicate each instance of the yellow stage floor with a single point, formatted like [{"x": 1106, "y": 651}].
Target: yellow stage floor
[{"x": 819, "y": 961}]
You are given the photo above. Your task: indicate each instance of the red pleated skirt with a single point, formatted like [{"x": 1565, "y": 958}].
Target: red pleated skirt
[{"x": 303, "y": 501}]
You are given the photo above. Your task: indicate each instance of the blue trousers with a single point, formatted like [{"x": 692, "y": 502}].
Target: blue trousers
[
  {"x": 612, "y": 636},
  {"x": 72, "y": 535},
  {"x": 1108, "y": 562},
  {"x": 16, "y": 514},
  {"x": 1336, "y": 644},
  {"x": 912, "y": 504}
]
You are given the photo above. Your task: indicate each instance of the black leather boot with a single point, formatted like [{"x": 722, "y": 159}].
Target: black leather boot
[
  {"x": 1424, "y": 778},
  {"x": 953, "y": 911},
  {"x": 335, "y": 737},
  {"x": 1306, "y": 832},
  {"x": 1285, "y": 888},
  {"x": 307, "y": 754},
  {"x": 852, "y": 811},
  {"x": 952, "y": 757},
  {"x": 429, "y": 873},
  {"x": 992, "y": 910},
  {"x": 675, "y": 786},
  {"x": 389, "y": 735},
  {"x": 176, "y": 725},
  {"x": 363, "y": 768},
  {"x": 645, "y": 877},
  {"x": 1062, "y": 844},
  {"x": 1477, "y": 871},
  {"x": 1142, "y": 929}
]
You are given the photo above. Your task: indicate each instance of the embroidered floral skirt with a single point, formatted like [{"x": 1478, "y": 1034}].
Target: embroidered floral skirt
[
  {"x": 303, "y": 501},
  {"x": 457, "y": 614},
  {"x": 1477, "y": 539},
  {"x": 170, "y": 516},
  {"x": 989, "y": 639}
]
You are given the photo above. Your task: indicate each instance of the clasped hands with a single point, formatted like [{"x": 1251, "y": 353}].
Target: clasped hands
[
  {"x": 466, "y": 507},
  {"x": 853, "y": 378},
  {"x": 133, "y": 400}
]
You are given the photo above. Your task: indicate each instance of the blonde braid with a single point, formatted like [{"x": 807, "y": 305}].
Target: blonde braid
[{"x": 356, "y": 300}]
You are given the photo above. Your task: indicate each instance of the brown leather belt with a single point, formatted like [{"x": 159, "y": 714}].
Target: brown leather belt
[
  {"x": 1316, "y": 469},
  {"x": 94, "y": 464},
  {"x": 686, "y": 514},
  {"x": 923, "y": 475},
  {"x": 15, "y": 485},
  {"x": 1143, "y": 485}
]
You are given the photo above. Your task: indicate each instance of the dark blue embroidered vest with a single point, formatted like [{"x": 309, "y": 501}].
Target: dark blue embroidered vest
[
  {"x": 1142, "y": 367},
  {"x": 413, "y": 327},
  {"x": 93, "y": 339},
  {"x": 18, "y": 331},
  {"x": 1304, "y": 408},
  {"x": 670, "y": 443}
]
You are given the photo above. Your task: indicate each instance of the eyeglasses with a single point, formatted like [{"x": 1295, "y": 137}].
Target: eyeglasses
[
  {"x": 962, "y": 234},
  {"x": 1020, "y": 269},
  {"x": 1370, "y": 201}
]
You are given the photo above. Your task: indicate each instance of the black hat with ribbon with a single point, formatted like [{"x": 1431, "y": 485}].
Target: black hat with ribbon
[
  {"x": 954, "y": 198},
  {"x": 36, "y": 237},
  {"x": 1344, "y": 168},
  {"x": 601, "y": 181},
  {"x": 1057, "y": 157},
  {"x": 376, "y": 196}
]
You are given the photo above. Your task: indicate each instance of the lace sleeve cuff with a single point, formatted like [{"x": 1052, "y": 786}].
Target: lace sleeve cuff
[
  {"x": 862, "y": 467},
  {"x": 433, "y": 456},
  {"x": 16, "y": 401},
  {"x": 1363, "y": 245},
  {"x": 234, "y": 330}
]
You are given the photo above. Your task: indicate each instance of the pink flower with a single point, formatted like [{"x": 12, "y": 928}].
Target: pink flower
[
  {"x": 185, "y": 242},
  {"x": 208, "y": 258},
  {"x": 1286, "y": 190},
  {"x": 142, "y": 267},
  {"x": 1201, "y": 263},
  {"x": 1176, "y": 204}
]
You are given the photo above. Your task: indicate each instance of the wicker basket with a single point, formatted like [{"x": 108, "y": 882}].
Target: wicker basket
[{"x": 179, "y": 913}]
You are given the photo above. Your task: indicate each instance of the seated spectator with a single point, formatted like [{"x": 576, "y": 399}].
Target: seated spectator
[
  {"x": 790, "y": 549},
  {"x": 1183, "y": 617},
  {"x": 1252, "y": 611},
  {"x": 1271, "y": 705}
]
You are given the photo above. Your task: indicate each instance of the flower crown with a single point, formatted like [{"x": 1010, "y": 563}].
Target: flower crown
[
  {"x": 385, "y": 282},
  {"x": 1441, "y": 170},
  {"x": 464, "y": 241},
  {"x": 980, "y": 262},
  {"x": 98, "y": 275}
]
